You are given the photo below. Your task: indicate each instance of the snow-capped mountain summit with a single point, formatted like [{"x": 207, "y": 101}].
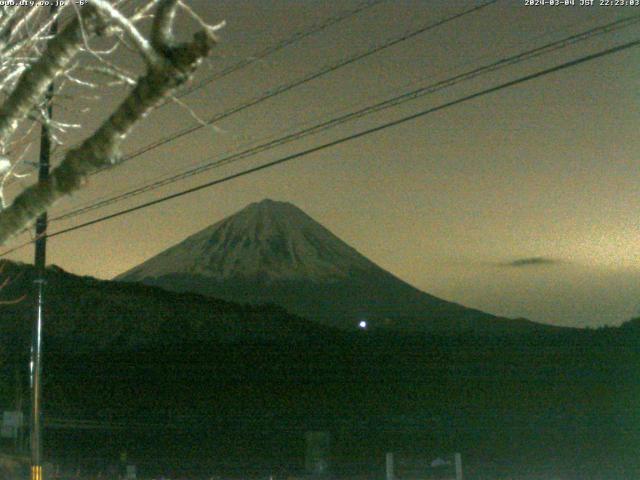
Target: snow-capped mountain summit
[
  {"x": 273, "y": 252},
  {"x": 267, "y": 241}
]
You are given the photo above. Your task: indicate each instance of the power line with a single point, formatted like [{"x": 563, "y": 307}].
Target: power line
[
  {"x": 296, "y": 37},
  {"x": 395, "y": 101},
  {"x": 354, "y": 136},
  {"x": 306, "y": 79},
  {"x": 286, "y": 87}
]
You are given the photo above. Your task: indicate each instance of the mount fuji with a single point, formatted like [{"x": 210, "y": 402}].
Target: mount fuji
[{"x": 273, "y": 252}]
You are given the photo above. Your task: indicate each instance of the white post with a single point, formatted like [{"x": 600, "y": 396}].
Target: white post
[
  {"x": 389, "y": 459},
  {"x": 458, "y": 460}
]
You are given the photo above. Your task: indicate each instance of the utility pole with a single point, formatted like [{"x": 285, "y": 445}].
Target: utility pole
[{"x": 39, "y": 283}]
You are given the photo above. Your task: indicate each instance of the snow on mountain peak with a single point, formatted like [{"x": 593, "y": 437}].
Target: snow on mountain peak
[{"x": 268, "y": 240}]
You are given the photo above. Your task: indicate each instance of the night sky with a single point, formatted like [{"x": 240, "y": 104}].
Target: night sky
[{"x": 521, "y": 203}]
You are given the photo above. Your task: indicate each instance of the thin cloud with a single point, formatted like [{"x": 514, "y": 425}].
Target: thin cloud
[{"x": 532, "y": 262}]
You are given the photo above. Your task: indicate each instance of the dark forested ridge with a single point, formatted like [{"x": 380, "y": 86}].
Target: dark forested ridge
[{"x": 244, "y": 383}]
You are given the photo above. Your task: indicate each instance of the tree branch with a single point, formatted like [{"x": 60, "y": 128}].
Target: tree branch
[
  {"x": 35, "y": 80},
  {"x": 100, "y": 150},
  {"x": 161, "y": 30},
  {"x": 141, "y": 43}
]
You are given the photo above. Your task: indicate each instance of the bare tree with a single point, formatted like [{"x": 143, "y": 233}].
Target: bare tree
[{"x": 84, "y": 54}]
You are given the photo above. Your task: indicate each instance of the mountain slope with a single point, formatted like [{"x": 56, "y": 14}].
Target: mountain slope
[
  {"x": 272, "y": 252},
  {"x": 86, "y": 314}
]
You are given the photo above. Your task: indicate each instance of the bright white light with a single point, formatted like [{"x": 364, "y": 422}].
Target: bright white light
[{"x": 362, "y": 324}]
